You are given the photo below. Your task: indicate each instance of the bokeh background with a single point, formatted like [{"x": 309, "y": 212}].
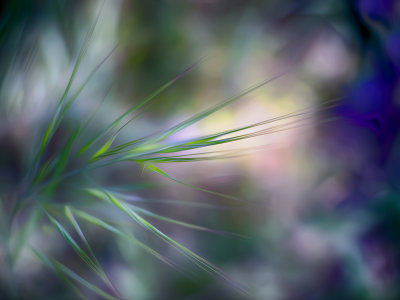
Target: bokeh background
[{"x": 318, "y": 215}]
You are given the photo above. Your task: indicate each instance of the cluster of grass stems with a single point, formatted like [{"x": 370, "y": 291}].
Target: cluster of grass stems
[{"x": 48, "y": 172}]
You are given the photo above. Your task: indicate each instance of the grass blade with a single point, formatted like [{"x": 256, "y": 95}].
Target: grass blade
[
  {"x": 60, "y": 267},
  {"x": 47, "y": 262},
  {"x": 74, "y": 245},
  {"x": 142, "y": 211},
  {"x": 100, "y": 223},
  {"x": 101, "y": 272},
  {"x": 157, "y": 170},
  {"x": 196, "y": 259},
  {"x": 55, "y": 121},
  {"x": 207, "y": 112},
  {"x": 24, "y": 234},
  {"x": 133, "y": 109}
]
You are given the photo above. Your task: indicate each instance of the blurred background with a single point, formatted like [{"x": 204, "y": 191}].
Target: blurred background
[{"x": 318, "y": 212}]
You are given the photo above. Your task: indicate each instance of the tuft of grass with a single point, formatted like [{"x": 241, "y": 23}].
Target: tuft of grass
[{"x": 46, "y": 175}]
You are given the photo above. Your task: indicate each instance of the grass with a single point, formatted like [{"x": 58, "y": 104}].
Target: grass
[{"x": 49, "y": 170}]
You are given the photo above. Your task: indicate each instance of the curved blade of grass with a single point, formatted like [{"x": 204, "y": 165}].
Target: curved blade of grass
[
  {"x": 148, "y": 213},
  {"x": 196, "y": 259},
  {"x": 210, "y": 140},
  {"x": 59, "y": 162},
  {"x": 56, "y": 116},
  {"x": 174, "y": 159},
  {"x": 60, "y": 268},
  {"x": 117, "y": 191},
  {"x": 47, "y": 262},
  {"x": 102, "y": 274},
  {"x": 150, "y": 142},
  {"x": 82, "y": 281},
  {"x": 198, "y": 156},
  {"x": 63, "y": 156},
  {"x": 24, "y": 233},
  {"x": 195, "y": 143},
  {"x": 207, "y": 112},
  {"x": 83, "y": 85},
  {"x": 95, "y": 111},
  {"x": 100, "y": 153},
  {"x": 43, "y": 172},
  {"x": 133, "y": 109},
  {"x": 203, "y": 142},
  {"x": 100, "y": 223},
  {"x": 103, "y": 149},
  {"x": 145, "y": 146},
  {"x": 157, "y": 170},
  {"x": 74, "y": 245},
  {"x": 123, "y": 147},
  {"x": 60, "y": 109}
]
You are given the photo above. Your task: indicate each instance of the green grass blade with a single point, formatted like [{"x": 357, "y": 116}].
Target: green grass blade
[
  {"x": 74, "y": 245},
  {"x": 152, "y": 143},
  {"x": 195, "y": 258},
  {"x": 133, "y": 109},
  {"x": 72, "y": 99},
  {"x": 56, "y": 165},
  {"x": 202, "y": 142},
  {"x": 157, "y": 170},
  {"x": 55, "y": 120},
  {"x": 146, "y": 148},
  {"x": 207, "y": 112},
  {"x": 24, "y": 233},
  {"x": 101, "y": 272},
  {"x": 103, "y": 149},
  {"x": 193, "y": 157},
  {"x": 74, "y": 223},
  {"x": 100, "y": 223},
  {"x": 60, "y": 267},
  {"x": 142, "y": 211},
  {"x": 47, "y": 262},
  {"x": 63, "y": 156}
]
